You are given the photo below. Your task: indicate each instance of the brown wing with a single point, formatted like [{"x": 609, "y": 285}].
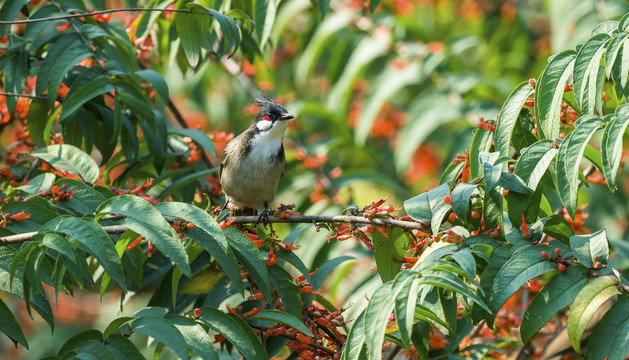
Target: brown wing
[{"x": 281, "y": 157}]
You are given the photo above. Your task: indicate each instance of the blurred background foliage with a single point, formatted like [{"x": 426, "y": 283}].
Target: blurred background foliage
[{"x": 384, "y": 102}]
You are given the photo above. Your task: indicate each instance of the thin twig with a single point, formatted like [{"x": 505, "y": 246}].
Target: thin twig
[
  {"x": 37, "y": 97},
  {"x": 19, "y": 238},
  {"x": 315, "y": 219},
  {"x": 234, "y": 69},
  {"x": 100, "y": 12},
  {"x": 394, "y": 352},
  {"x": 307, "y": 219},
  {"x": 294, "y": 338}
]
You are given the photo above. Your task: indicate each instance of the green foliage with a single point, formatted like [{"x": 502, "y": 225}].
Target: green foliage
[{"x": 508, "y": 211}]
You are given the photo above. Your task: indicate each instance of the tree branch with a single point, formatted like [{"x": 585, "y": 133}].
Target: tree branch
[
  {"x": 100, "y": 12},
  {"x": 306, "y": 219},
  {"x": 23, "y": 95}
]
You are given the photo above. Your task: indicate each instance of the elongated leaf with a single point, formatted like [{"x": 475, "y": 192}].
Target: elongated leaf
[
  {"x": 534, "y": 162},
  {"x": 355, "y": 340},
  {"x": 10, "y": 327},
  {"x": 123, "y": 348},
  {"x": 144, "y": 219},
  {"x": 611, "y": 146},
  {"x": 40, "y": 182},
  {"x": 610, "y": 336},
  {"x": 236, "y": 331},
  {"x": 552, "y": 81},
  {"x": 158, "y": 82},
  {"x": 93, "y": 349},
  {"x": 461, "y": 199},
  {"x": 404, "y": 288},
  {"x": 589, "y": 299},
  {"x": 389, "y": 252},
  {"x": 491, "y": 173},
  {"x": 522, "y": 267},
  {"x": 586, "y": 70},
  {"x": 92, "y": 236},
  {"x": 586, "y": 247},
  {"x": 163, "y": 331},
  {"x": 71, "y": 159},
  {"x": 76, "y": 99},
  {"x": 508, "y": 115},
  {"x": 251, "y": 258},
  {"x": 557, "y": 227},
  {"x": 116, "y": 324},
  {"x": 569, "y": 158},
  {"x": 85, "y": 199},
  {"x": 282, "y": 318},
  {"x": 613, "y": 49},
  {"x": 287, "y": 290},
  {"x": 376, "y": 315},
  {"x": 8, "y": 12},
  {"x": 449, "y": 281},
  {"x": 189, "y": 31},
  {"x": 200, "y": 137},
  {"x": 466, "y": 260},
  {"x": 558, "y": 293},
  {"x": 196, "y": 337},
  {"x": 480, "y": 143}
]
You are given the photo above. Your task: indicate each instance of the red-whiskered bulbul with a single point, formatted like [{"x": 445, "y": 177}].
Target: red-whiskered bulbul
[{"x": 254, "y": 161}]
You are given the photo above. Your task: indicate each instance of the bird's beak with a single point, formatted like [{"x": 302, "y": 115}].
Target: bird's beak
[{"x": 287, "y": 116}]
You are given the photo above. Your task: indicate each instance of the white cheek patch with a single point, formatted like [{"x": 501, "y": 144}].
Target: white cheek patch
[{"x": 264, "y": 125}]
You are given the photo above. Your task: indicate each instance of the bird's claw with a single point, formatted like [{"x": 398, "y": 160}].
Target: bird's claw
[{"x": 264, "y": 219}]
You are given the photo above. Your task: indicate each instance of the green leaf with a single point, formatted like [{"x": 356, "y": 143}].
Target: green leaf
[
  {"x": 85, "y": 199},
  {"x": 251, "y": 258},
  {"x": 586, "y": 73},
  {"x": 373, "y": 4},
  {"x": 75, "y": 99},
  {"x": 282, "y": 318},
  {"x": 287, "y": 290},
  {"x": 196, "y": 337},
  {"x": 9, "y": 12},
  {"x": 265, "y": 12},
  {"x": 522, "y": 267},
  {"x": 201, "y": 283},
  {"x": 558, "y": 293},
  {"x": 491, "y": 173},
  {"x": 552, "y": 81},
  {"x": 199, "y": 137},
  {"x": 93, "y": 349},
  {"x": 323, "y": 7},
  {"x": 185, "y": 180},
  {"x": 77, "y": 341},
  {"x": 461, "y": 199},
  {"x": 163, "y": 331},
  {"x": 450, "y": 281},
  {"x": 189, "y": 31},
  {"x": 94, "y": 239},
  {"x": 611, "y": 145},
  {"x": 508, "y": 115},
  {"x": 534, "y": 162},
  {"x": 158, "y": 82},
  {"x": 389, "y": 252},
  {"x": 10, "y": 327},
  {"x": 355, "y": 340},
  {"x": 557, "y": 227},
  {"x": 466, "y": 260},
  {"x": 569, "y": 157},
  {"x": 71, "y": 159},
  {"x": 609, "y": 338},
  {"x": 224, "y": 257},
  {"x": 236, "y": 331},
  {"x": 480, "y": 143},
  {"x": 59, "y": 244},
  {"x": 376, "y": 315},
  {"x": 326, "y": 269},
  {"x": 123, "y": 348},
  {"x": 116, "y": 324},
  {"x": 586, "y": 247},
  {"x": 41, "y": 182},
  {"x": 39, "y": 122},
  {"x": 405, "y": 294},
  {"x": 611, "y": 54},
  {"x": 587, "y": 302},
  {"x": 145, "y": 219},
  {"x": 513, "y": 183}
]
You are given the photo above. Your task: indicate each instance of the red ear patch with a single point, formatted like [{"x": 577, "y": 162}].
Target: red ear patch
[{"x": 266, "y": 118}]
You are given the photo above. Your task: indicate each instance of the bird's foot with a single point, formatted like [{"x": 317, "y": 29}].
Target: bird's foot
[{"x": 264, "y": 219}]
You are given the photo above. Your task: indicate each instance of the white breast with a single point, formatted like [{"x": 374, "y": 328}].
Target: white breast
[{"x": 267, "y": 143}]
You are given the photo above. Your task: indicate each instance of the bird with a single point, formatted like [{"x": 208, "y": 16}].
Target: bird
[{"x": 253, "y": 162}]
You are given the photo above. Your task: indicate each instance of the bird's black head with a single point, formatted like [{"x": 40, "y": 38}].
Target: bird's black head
[{"x": 270, "y": 110}]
